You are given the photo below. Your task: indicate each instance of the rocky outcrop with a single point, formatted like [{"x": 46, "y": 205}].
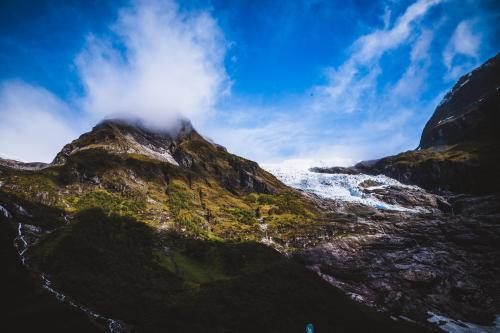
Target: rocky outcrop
[
  {"x": 412, "y": 263},
  {"x": 466, "y": 168},
  {"x": 22, "y": 166},
  {"x": 344, "y": 170}
]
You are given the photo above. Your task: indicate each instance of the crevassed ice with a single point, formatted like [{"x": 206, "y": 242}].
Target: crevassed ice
[
  {"x": 341, "y": 187},
  {"x": 456, "y": 326}
]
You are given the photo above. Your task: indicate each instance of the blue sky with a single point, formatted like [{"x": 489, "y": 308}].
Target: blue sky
[{"x": 306, "y": 82}]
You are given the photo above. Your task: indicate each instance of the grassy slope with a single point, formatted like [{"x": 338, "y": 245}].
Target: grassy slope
[{"x": 125, "y": 269}]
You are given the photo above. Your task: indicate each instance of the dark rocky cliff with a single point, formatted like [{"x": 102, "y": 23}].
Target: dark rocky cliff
[{"x": 470, "y": 111}]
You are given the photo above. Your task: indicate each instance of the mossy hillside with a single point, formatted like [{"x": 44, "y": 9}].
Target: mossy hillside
[
  {"x": 104, "y": 260},
  {"x": 231, "y": 171},
  {"x": 41, "y": 186},
  {"x": 164, "y": 196},
  {"x": 159, "y": 281}
]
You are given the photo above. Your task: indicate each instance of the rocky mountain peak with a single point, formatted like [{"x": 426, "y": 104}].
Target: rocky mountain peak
[
  {"x": 179, "y": 146},
  {"x": 469, "y": 111},
  {"x": 124, "y": 136}
]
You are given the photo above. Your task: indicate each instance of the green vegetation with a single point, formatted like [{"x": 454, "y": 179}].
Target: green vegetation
[
  {"x": 163, "y": 195},
  {"x": 109, "y": 202},
  {"x": 164, "y": 281}
]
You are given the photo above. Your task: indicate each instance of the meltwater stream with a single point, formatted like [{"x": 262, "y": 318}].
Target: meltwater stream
[{"x": 25, "y": 238}]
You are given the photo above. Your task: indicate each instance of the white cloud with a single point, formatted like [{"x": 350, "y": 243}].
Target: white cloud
[
  {"x": 415, "y": 75},
  {"x": 32, "y": 123},
  {"x": 464, "y": 41},
  {"x": 302, "y": 140},
  {"x": 170, "y": 65},
  {"x": 370, "y": 47},
  {"x": 355, "y": 81},
  {"x": 156, "y": 64},
  {"x": 308, "y": 134}
]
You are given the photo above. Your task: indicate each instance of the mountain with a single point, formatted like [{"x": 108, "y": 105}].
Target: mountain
[
  {"x": 131, "y": 229},
  {"x": 469, "y": 112},
  {"x": 459, "y": 149}
]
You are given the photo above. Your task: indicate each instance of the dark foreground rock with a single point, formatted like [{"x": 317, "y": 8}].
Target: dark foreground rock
[{"x": 446, "y": 261}]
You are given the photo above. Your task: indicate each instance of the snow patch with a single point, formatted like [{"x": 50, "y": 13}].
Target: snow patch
[
  {"x": 447, "y": 119},
  {"x": 464, "y": 83},
  {"x": 158, "y": 153}
]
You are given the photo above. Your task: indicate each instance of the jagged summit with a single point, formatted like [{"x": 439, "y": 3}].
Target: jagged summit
[
  {"x": 180, "y": 146},
  {"x": 120, "y": 136}
]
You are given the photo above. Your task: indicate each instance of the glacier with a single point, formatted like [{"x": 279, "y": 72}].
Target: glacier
[{"x": 337, "y": 186}]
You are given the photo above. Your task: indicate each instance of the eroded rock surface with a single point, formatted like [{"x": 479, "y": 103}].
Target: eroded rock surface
[{"x": 410, "y": 263}]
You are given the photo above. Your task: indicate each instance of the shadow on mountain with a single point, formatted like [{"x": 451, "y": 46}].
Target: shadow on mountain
[
  {"x": 163, "y": 281},
  {"x": 26, "y": 306}
]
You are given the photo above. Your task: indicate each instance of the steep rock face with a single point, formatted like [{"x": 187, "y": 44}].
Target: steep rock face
[
  {"x": 411, "y": 263},
  {"x": 460, "y": 145},
  {"x": 470, "y": 111}
]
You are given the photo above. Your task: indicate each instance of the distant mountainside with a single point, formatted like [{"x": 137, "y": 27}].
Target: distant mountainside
[
  {"x": 459, "y": 149},
  {"x": 469, "y": 112},
  {"x": 139, "y": 230}
]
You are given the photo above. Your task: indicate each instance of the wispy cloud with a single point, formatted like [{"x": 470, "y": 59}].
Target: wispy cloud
[
  {"x": 356, "y": 79},
  {"x": 34, "y": 124},
  {"x": 465, "y": 41},
  {"x": 415, "y": 75},
  {"x": 155, "y": 64}
]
